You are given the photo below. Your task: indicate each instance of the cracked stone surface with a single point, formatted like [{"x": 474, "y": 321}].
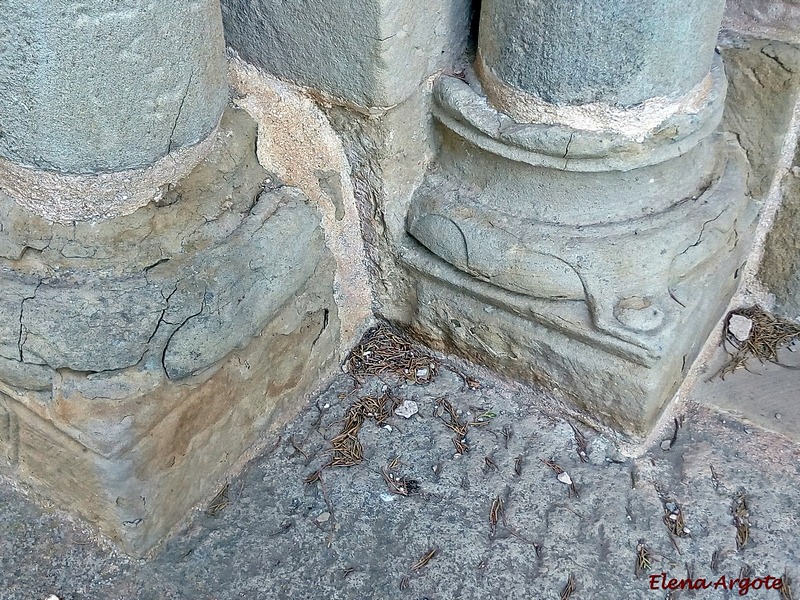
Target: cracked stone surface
[
  {"x": 762, "y": 91},
  {"x": 141, "y": 357},
  {"x": 279, "y": 538},
  {"x": 160, "y": 281},
  {"x": 780, "y": 267}
]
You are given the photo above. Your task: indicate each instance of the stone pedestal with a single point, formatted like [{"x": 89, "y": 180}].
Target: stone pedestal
[
  {"x": 141, "y": 356},
  {"x": 155, "y": 316},
  {"x": 585, "y": 203}
]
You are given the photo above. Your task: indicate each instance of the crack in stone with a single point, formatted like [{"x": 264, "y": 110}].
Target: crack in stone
[
  {"x": 569, "y": 143},
  {"x": 161, "y": 261},
  {"x": 702, "y": 230},
  {"x": 566, "y": 150},
  {"x": 177, "y": 329},
  {"x": 20, "y": 340},
  {"x": 160, "y": 318},
  {"x": 775, "y": 57},
  {"x": 180, "y": 110}
]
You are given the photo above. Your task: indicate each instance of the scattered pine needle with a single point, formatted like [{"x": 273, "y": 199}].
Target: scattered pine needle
[
  {"x": 643, "y": 559},
  {"x": 568, "y": 588},
  {"x": 219, "y": 501},
  {"x": 383, "y": 352},
  {"x": 786, "y": 586},
  {"x": 347, "y": 450},
  {"x": 741, "y": 514},
  {"x": 767, "y": 336},
  {"x": 425, "y": 559}
]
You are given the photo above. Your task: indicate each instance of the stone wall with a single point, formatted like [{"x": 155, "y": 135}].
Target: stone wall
[{"x": 761, "y": 46}]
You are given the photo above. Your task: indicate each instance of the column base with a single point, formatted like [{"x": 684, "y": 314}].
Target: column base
[
  {"x": 600, "y": 272},
  {"x": 140, "y": 359}
]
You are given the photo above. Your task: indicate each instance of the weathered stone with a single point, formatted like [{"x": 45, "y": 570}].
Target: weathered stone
[
  {"x": 143, "y": 356},
  {"x": 9, "y": 435},
  {"x": 763, "y": 84},
  {"x": 174, "y": 441},
  {"x": 595, "y": 221},
  {"x": 297, "y": 143},
  {"x": 780, "y": 266},
  {"x": 238, "y": 302},
  {"x": 160, "y": 281},
  {"x": 633, "y": 292},
  {"x": 619, "y": 52},
  {"x": 612, "y": 385},
  {"x": 370, "y": 53},
  {"x": 767, "y": 19},
  {"x": 128, "y": 84},
  {"x": 388, "y": 156}
]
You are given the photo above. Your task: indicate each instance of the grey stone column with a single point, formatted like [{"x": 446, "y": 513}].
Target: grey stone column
[
  {"x": 102, "y": 88},
  {"x": 155, "y": 317},
  {"x": 619, "y": 52},
  {"x": 107, "y": 86},
  {"x": 580, "y": 187}
]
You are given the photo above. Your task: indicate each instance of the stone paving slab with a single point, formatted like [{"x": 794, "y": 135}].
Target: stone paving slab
[
  {"x": 768, "y": 395},
  {"x": 276, "y": 537}
]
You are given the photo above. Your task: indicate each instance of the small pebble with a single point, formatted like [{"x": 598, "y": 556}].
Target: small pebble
[
  {"x": 666, "y": 445},
  {"x": 564, "y": 478},
  {"x": 778, "y": 416},
  {"x": 740, "y": 326},
  {"x": 407, "y": 409},
  {"x": 324, "y": 517}
]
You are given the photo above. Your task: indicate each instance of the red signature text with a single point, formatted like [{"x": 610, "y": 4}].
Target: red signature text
[{"x": 743, "y": 585}]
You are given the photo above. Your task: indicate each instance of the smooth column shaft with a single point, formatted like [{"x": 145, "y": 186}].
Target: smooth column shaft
[
  {"x": 102, "y": 86},
  {"x": 619, "y": 52}
]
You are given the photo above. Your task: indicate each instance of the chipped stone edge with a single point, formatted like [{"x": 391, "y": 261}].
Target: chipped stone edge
[{"x": 636, "y": 122}]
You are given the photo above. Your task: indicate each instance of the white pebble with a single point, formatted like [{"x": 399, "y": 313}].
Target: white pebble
[
  {"x": 407, "y": 409},
  {"x": 740, "y": 327}
]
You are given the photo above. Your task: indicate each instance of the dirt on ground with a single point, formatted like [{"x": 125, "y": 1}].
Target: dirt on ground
[{"x": 483, "y": 491}]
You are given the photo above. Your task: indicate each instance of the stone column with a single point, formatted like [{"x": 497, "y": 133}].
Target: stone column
[
  {"x": 104, "y": 87},
  {"x": 109, "y": 86},
  {"x": 620, "y": 53},
  {"x": 155, "y": 317},
  {"x": 581, "y": 188}
]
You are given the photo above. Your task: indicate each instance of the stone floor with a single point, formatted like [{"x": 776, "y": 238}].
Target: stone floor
[{"x": 273, "y": 536}]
